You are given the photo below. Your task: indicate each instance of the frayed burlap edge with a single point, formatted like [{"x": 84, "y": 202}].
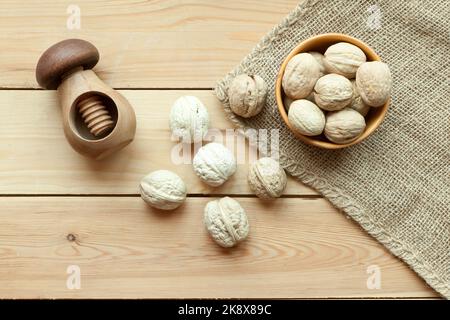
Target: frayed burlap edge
[{"x": 340, "y": 200}]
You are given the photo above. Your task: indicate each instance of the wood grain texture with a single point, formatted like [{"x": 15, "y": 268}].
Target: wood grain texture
[
  {"x": 145, "y": 44},
  {"x": 297, "y": 248},
  {"x": 35, "y": 157}
]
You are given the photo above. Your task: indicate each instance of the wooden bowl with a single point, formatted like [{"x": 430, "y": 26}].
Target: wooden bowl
[{"x": 320, "y": 43}]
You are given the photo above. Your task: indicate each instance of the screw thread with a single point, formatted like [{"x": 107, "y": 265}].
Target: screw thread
[{"x": 95, "y": 115}]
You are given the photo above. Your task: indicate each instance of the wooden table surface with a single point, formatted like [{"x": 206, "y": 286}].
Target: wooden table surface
[{"x": 58, "y": 209}]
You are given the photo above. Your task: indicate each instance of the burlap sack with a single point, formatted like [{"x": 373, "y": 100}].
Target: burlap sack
[{"x": 396, "y": 184}]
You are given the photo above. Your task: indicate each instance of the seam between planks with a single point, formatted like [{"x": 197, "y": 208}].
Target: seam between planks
[{"x": 135, "y": 195}]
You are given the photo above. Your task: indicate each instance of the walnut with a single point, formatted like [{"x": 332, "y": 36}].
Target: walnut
[
  {"x": 189, "y": 119},
  {"x": 320, "y": 60},
  {"x": 333, "y": 92},
  {"x": 226, "y": 222},
  {"x": 247, "y": 94},
  {"x": 344, "y": 126},
  {"x": 306, "y": 118},
  {"x": 300, "y": 75},
  {"x": 357, "y": 103},
  {"x": 374, "y": 83},
  {"x": 267, "y": 178},
  {"x": 163, "y": 189},
  {"x": 344, "y": 58},
  {"x": 214, "y": 164}
]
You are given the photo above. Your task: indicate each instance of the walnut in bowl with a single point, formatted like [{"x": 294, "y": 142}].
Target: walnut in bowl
[{"x": 351, "y": 61}]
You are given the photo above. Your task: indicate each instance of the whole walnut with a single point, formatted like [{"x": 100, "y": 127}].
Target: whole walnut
[
  {"x": 189, "y": 119},
  {"x": 320, "y": 60},
  {"x": 163, "y": 189},
  {"x": 247, "y": 95},
  {"x": 344, "y": 126},
  {"x": 344, "y": 58},
  {"x": 306, "y": 118},
  {"x": 333, "y": 92},
  {"x": 214, "y": 164},
  {"x": 226, "y": 221},
  {"x": 267, "y": 178},
  {"x": 357, "y": 103},
  {"x": 300, "y": 75},
  {"x": 374, "y": 83}
]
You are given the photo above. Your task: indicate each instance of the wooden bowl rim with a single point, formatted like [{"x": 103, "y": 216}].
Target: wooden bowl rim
[{"x": 331, "y": 37}]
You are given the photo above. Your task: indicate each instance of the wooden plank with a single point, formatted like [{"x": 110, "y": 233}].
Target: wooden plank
[
  {"x": 297, "y": 248},
  {"x": 145, "y": 44},
  {"x": 35, "y": 157}
]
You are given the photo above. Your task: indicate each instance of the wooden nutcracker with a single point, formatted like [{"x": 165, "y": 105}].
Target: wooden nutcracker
[{"x": 97, "y": 120}]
